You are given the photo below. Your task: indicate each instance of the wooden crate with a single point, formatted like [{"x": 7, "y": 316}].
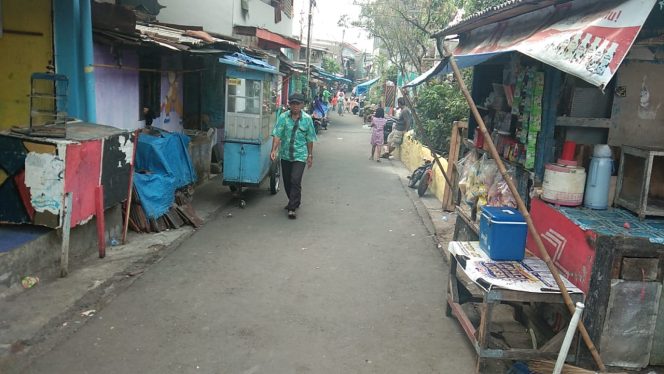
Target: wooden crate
[{"x": 641, "y": 181}]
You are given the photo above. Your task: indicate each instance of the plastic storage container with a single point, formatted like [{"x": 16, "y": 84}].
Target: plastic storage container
[
  {"x": 599, "y": 178},
  {"x": 564, "y": 183},
  {"x": 503, "y": 233}
]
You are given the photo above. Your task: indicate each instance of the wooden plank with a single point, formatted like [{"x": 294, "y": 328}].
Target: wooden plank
[
  {"x": 639, "y": 269},
  {"x": 188, "y": 211},
  {"x": 133, "y": 225},
  {"x": 529, "y": 297},
  {"x": 598, "y": 123},
  {"x": 66, "y": 229},
  {"x": 467, "y": 326},
  {"x": 175, "y": 218},
  {"x": 101, "y": 221},
  {"x": 518, "y": 354},
  {"x": 455, "y": 148},
  {"x": 554, "y": 344}
]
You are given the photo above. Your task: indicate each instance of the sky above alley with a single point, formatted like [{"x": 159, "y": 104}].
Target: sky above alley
[{"x": 326, "y": 14}]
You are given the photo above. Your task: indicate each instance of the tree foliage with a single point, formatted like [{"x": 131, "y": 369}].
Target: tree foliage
[
  {"x": 330, "y": 65},
  {"x": 474, "y": 6},
  {"x": 404, "y": 30},
  {"x": 439, "y": 104}
]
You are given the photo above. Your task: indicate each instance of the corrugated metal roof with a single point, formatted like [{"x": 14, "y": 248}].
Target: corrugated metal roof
[
  {"x": 167, "y": 37},
  {"x": 166, "y": 34},
  {"x": 496, "y": 13}
]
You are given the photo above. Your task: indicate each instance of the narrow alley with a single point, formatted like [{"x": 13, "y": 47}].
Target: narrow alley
[{"x": 354, "y": 285}]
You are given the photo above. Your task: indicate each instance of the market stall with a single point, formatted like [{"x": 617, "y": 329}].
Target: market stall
[{"x": 567, "y": 91}]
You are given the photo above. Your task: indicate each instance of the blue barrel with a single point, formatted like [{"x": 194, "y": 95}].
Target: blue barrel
[{"x": 599, "y": 178}]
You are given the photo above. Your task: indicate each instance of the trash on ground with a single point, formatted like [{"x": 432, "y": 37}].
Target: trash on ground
[
  {"x": 88, "y": 313},
  {"x": 29, "y": 282}
]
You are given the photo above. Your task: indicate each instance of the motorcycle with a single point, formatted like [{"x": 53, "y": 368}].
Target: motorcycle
[{"x": 422, "y": 175}]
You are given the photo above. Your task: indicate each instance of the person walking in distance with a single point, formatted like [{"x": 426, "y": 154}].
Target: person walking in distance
[
  {"x": 293, "y": 140},
  {"x": 377, "y": 124},
  {"x": 404, "y": 123}
]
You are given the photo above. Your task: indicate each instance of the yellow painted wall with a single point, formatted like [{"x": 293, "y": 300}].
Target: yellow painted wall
[
  {"x": 412, "y": 153},
  {"x": 21, "y": 55}
]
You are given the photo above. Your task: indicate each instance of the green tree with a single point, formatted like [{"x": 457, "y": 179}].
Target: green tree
[
  {"x": 439, "y": 104},
  {"x": 330, "y": 65},
  {"x": 474, "y": 6},
  {"x": 404, "y": 28}
]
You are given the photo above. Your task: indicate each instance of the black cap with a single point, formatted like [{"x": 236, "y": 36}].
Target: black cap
[{"x": 296, "y": 98}]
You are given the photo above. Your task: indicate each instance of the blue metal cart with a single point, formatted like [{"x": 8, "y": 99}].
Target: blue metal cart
[{"x": 250, "y": 117}]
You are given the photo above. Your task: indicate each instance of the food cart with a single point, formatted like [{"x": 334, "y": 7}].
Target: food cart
[{"x": 250, "y": 116}]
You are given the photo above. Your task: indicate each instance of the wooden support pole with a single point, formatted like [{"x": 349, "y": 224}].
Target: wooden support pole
[
  {"x": 66, "y": 229},
  {"x": 524, "y": 211},
  {"x": 101, "y": 222},
  {"x": 452, "y": 158},
  {"x": 421, "y": 131},
  {"x": 130, "y": 188}
]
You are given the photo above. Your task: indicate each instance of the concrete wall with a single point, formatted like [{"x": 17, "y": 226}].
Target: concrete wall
[
  {"x": 41, "y": 257},
  {"x": 221, "y": 15},
  {"x": 412, "y": 153},
  {"x": 116, "y": 90},
  {"x": 22, "y": 55},
  {"x": 261, "y": 15},
  {"x": 215, "y": 16}
]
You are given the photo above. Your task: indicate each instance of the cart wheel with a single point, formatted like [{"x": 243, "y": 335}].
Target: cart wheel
[
  {"x": 275, "y": 172},
  {"x": 232, "y": 187},
  {"x": 243, "y": 204}
]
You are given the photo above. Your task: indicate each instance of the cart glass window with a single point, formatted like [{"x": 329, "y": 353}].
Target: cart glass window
[{"x": 244, "y": 96}]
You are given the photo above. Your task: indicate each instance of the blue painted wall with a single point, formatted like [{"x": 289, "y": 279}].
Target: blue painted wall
[{"x": 72, "y": 24}]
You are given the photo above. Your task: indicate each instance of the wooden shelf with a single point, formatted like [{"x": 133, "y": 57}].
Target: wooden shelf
[{"x": 595, "y": 123}]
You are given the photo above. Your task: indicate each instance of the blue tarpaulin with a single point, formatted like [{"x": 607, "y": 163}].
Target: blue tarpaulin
[
  {"x": 162, "y": 166},
  {"x": 443, "y": 67},
  {"x": 332, "y": 77},
  {"x": 246, "y": 61},
  {"x": 361, "y": 89}
]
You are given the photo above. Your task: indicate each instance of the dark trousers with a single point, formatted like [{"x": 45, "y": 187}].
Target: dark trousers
[{"x": 292, "y": 172}]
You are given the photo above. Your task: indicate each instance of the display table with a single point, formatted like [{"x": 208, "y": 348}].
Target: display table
[
  {"x": 617, "y": 260},
  {"x": 513, "y": 282}
]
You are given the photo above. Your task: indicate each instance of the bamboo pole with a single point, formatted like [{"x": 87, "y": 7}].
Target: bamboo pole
[
  {"x": 524, "y": 211},
  {"x": 421, "y": 131}
]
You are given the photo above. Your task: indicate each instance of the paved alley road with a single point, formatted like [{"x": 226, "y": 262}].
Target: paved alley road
[{"x": 354, "y": 285}]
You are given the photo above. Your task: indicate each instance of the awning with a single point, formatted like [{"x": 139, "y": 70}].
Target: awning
[
  {"x": 332, "y": 77},
  {"x": 443, "y": 66},
  {"x": 247, "y": 62},
  {"x": 585, "y": 38},
  {"x": 267, "y": 39},
  {"x": 361, "y": 89}
]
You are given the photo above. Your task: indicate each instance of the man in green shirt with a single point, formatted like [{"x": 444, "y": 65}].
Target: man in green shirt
[
  {"x": 293, "y": 140},
  {"x": 326, "y": 100}
]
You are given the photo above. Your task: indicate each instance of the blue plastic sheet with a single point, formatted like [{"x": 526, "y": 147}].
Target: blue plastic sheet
[
  {"x": 245, "y": 61},
  {"x": 361, "y": 89},
  {"x": 443, "y": 67},
  {"x": 162, "y": 166}
]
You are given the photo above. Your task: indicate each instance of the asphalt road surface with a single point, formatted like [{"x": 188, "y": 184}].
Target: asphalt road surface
[{"x": 354, "y": 285}]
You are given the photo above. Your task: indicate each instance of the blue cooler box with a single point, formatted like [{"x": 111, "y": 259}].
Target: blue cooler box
[{"x": 503, "y": 233}]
